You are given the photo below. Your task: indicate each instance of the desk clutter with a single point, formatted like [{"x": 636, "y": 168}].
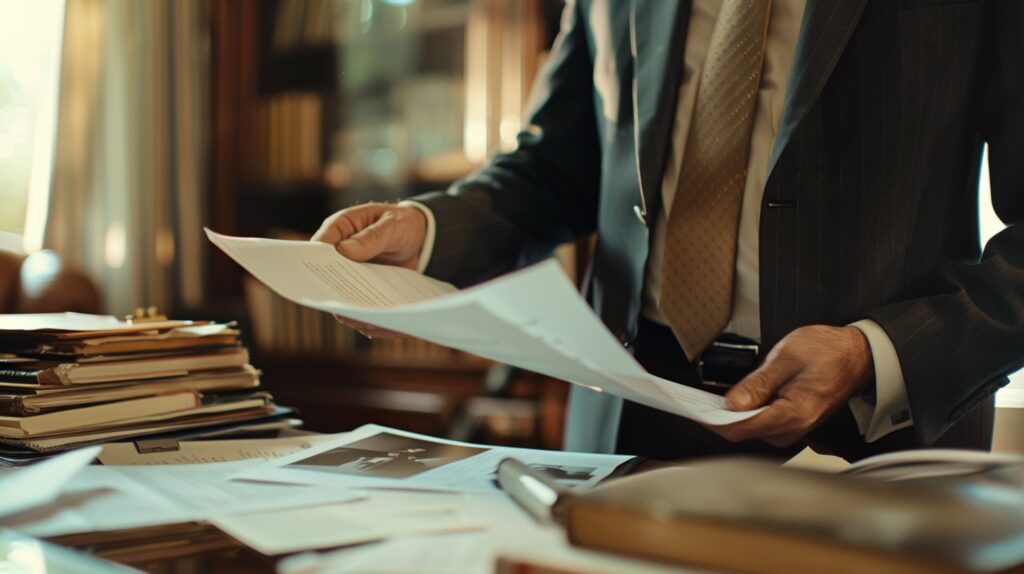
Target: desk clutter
[
  {"x": 69, "y": 380},
  {"x": 134, "y": 395},
  {"x": 360, "y": 491},
  {"x": 379, "y": 499}
]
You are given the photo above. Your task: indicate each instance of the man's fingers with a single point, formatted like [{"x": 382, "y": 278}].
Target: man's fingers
[
  {"x": 366, "y": 244},
  {"x": 778, "y": 418},
  {"x": 758, "y": 388},
  {"x": 327, "y": 234},
  {"x": 348, "y": 222},
  {"x": 378, "y": 232}
]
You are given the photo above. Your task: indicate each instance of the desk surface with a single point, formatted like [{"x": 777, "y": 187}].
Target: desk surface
[
  {"x": 197, "y": 547},
  {"x": 511, "y": 532}
]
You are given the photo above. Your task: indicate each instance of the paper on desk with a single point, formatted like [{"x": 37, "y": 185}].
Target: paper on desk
[
  {"x": 112, "y": 498},
  {"x": 77, "y": 322},
  {"x": 40, "y": 483},
  {"x": 534, "y": 318},
  {"x": 459, "y": 553},
  {"x": 12, "y": 242},
  {"x": 207, "y": 451},
  {"x": 510, "y": 531},
  {"x": 329, "y": 526},
  {"x": 373, "y": 456}
]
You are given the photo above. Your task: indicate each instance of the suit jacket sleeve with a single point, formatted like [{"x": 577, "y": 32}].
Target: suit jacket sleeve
[
  {"x": 524, "y": 203},
  {"x": 957, "y": 346}
]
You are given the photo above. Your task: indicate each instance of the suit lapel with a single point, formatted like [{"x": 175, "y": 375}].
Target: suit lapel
[
  {"x": 657, "y": 39},
  {"x": 826, "y": 29}
]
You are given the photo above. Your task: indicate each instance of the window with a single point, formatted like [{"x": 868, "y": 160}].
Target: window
[
  {"x": 30, "y": 40},
  {"x": 1013, "y": 395}
]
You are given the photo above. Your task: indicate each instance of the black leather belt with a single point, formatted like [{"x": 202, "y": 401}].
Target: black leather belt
[{"x": 725, "y": 362}]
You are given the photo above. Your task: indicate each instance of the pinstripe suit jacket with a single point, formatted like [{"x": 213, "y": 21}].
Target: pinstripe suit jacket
[{"x": 870, "y": 209}]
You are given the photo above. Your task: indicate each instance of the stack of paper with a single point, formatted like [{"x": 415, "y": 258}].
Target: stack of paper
[{"x": 72, "y": 379}]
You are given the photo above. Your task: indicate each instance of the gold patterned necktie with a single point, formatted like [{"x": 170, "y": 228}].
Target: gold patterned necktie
[{"x": 700, "y": 240}]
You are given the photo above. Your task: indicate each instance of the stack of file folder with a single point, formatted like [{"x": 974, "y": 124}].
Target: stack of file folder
[{"x": 68, "y": 380}]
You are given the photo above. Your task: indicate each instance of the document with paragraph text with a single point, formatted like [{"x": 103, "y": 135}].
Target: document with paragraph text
[{"x": 533, "y": 318}]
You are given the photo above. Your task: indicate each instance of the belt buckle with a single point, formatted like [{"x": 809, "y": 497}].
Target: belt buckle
[{"x": 752, "y": 348}]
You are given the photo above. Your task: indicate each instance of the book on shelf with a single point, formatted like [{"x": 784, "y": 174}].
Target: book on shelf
[
  {"x": 285, "y": 328},
  {"x": 303, "y": 23},
  {"x": 286, "y": 145},
  {"x": 67, "y": 380}
]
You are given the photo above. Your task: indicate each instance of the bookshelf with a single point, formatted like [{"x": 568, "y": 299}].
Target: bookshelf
[{"x": 322, "y": 104}]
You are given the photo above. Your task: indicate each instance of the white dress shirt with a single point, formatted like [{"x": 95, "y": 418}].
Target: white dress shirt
[{"x": 890, "y": 410}]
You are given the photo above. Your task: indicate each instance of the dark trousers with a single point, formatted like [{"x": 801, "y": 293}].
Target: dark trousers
[{"x": 656, "y": 434}]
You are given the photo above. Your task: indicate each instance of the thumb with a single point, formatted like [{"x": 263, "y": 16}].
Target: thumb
[
  {"x": 367, "y": 244},
  {"x": 757, "y": 388}
]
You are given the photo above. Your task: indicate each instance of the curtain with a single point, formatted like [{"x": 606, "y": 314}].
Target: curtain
[{"x": 127, "y": 199}]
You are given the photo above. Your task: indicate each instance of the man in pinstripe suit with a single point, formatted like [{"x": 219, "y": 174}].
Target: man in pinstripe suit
[{"x": 785, "y": 200}]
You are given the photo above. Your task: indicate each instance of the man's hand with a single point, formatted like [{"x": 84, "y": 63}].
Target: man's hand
[
  {"x": 807, "y": 376},
  {"x": 378, "y": 233}
]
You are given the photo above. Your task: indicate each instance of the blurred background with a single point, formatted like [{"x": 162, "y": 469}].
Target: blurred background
[{"x": 126, "y": 126}]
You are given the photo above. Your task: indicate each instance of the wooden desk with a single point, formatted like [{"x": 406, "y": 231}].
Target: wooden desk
[
  {"x": 198, "y": 547},
  {"x": 172, "y": 549}
]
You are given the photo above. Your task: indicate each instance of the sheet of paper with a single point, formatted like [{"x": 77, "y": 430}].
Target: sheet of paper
[
  {"x": 328, "y": 526},
  {"x": 328, "y": 276},
  {"x": 179, "y": 333},
  {"x": 12, "y": 242},
  {"x": 99, "y": 500},
  {"x": 73, "y": 322},
  {"x": 460, "y": 553},
  {"x": 198, "y": 452},
  {"x": 510, "y": 531},
  {"x": 533, "y": 318},
  {"x": 40, "y": 483},
  {"x": 379, "y": 457},
  {"x": 111, "y": 498},
  {"x": 463, "y": 553}
]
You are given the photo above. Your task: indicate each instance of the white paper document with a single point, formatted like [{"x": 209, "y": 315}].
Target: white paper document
[
  {"x": 112, "y": 498},
  {"x": 12, "y": 242},
  {"x": 207, "y": 451},
  {"x": 389, "y": 515},
  {"x": 534, "y": 318},
  {"x": 463, "y": 553},
  {"x": 40, "y": 483},
  {"x": 510, "y": 531},
  {"x": 373, "y": 456}
]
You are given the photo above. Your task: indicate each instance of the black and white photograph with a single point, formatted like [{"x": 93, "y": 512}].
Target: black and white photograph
[
  {"x": 566, "y": 473},
  {"x": 386, "y": 455}
]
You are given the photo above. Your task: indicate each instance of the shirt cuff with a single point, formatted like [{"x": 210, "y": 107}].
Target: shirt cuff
[
  {"x": 428, "y": 239},
  {"x": 889, "y": 410}
]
